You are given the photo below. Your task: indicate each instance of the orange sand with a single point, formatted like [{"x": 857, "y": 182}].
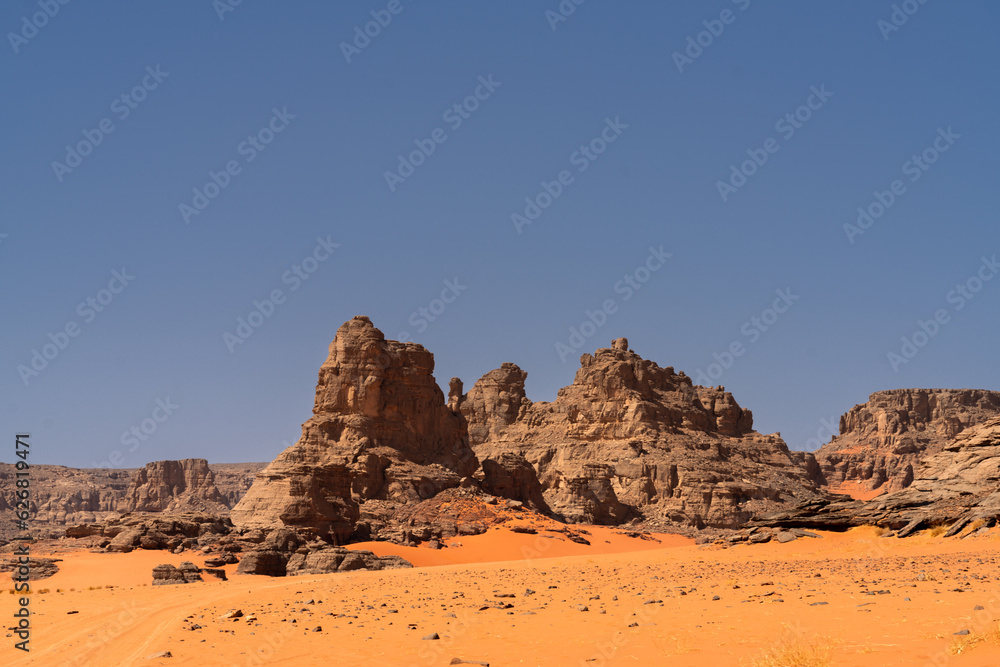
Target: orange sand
[
  {"x": 857, "y": 491},
  {"x": 644, "y": 606}
]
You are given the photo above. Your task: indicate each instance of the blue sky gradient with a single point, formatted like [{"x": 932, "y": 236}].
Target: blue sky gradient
[{"x": 221, "y": 77}]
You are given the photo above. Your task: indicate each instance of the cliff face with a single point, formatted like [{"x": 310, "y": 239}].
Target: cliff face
[
  {"x": 881, "y": 441},
  {"x": 631, "y": 439},
  {"x": 166, "y": 486},
  {"x": 64, "y": 496},
  {"x": 957, "y": 486},
  {"x": 381, "y": 436}
]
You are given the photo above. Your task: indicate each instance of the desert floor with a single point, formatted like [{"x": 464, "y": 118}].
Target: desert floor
[{"x": 507, "y": 598}]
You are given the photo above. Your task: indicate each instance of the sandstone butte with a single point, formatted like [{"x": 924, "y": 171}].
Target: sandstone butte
[{"x": 385, "y": 456}]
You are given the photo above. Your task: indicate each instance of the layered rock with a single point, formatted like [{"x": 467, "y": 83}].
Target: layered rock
[
  {"x": 63, "y": 496},
  {"x": 959, "y": 486},
  {"x": 233, "y": 480},
  {"x": 186, "y": 573},
  {"x": 881, "y": 441},
  {"x": 381, "y": 437},
  {"x": 629, "y": 439},
  {"x": 167, "y": 486}
]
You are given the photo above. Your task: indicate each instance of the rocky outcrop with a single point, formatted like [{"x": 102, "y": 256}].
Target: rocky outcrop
[
  {"x": 61, "y": 496},
  {"x": 881, "y": 441},
  {"x": 37, "y": 568},
  {"x": 154, "y": 531},
  {"x": 187, "y": 573},
  {"x": 64, "y": 496},
  {"x": 511, "y": 476},
  {"x": 233, "y": 480},
  {"x": 381, "y": 437},
  {"x": 495, "y": 402},
  {"x": 958, "y": 487},
  {"x": 169, "y": 486},
  {"x": 629, "y": 439},
  {"x": 286, "y": 552}
]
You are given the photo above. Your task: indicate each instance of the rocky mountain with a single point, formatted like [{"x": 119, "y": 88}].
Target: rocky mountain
[
  {"x": 631, "y": 440},
  {"x": 958, "y": 487},
  {"x": 381, "y": 437},
  {"x": 881, "y": 441}
]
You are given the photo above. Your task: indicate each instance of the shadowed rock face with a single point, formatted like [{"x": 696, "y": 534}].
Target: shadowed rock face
[
  {"x": 631, "y": 439},
  {"x": 381, "y": 436},
  {"x": 958, "y": 486},
  {"x": 881, "y": 441}
]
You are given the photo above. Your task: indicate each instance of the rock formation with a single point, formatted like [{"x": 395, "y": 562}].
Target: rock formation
[
  {"x": 958, "y": 487},
  {"x": 629, "y": 439},
  {"x": 166, "y": 486},
  {"x": 381, "y": 437},
  {"x": 881, "y": 441},
  {"x": 153, "y": 531},
  {"x": 64, "y": 496},
  {"x": 165, "y": 575},
  {"x": 38, "y": 568},
  {"x": 285, "y": 552}
]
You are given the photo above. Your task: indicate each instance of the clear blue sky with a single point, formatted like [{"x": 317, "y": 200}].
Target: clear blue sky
[{"x": 609, "y": 68}]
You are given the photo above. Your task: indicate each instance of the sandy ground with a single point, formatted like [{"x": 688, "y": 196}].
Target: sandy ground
[{"x": 517, "y": 599}]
